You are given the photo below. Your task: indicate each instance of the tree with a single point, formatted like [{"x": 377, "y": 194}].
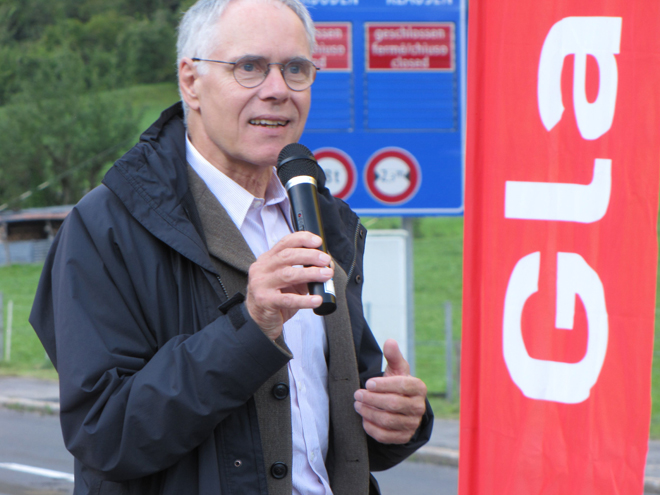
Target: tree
[
  {"x": 58, "y": 132},
  {"x": 60, "y": 121}
]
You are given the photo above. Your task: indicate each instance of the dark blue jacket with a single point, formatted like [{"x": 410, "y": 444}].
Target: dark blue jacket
[{"x": 156, "y": 383}]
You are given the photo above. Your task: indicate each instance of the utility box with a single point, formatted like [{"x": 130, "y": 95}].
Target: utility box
[
  {"x": 386, "y": 295},
  {"x": 388, "y": 105}
]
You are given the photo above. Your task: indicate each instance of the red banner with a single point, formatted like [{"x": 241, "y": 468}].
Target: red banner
[{"x": 563, "y": 150}]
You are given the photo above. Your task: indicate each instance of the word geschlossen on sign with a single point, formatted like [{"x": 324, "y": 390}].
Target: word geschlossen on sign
[{"x": 410, "y": 46}]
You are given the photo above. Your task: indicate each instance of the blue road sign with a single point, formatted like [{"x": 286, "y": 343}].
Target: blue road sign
[{"x": 388, "y": 106}]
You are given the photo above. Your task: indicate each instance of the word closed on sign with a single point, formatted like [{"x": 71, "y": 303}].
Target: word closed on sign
[{"x": 562, "y": 158}]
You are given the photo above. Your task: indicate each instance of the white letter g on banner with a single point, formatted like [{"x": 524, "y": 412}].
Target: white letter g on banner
[
  {"x": 556, "y": 381},
  {"x": 580, "y": 36}
]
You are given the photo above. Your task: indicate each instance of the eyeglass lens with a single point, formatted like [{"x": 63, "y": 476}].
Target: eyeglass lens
[{"x": 251, "y": 71}]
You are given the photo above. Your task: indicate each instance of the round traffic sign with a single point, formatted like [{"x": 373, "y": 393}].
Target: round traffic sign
[
  {"x": 392, "y": 176},
  {"x": 340, "y": 171}
]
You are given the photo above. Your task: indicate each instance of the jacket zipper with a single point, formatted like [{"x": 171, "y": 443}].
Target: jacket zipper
[{"x": 355, "y": 241}]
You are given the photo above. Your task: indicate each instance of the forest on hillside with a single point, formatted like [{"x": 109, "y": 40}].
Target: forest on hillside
[{"x": 63, "y": 64}]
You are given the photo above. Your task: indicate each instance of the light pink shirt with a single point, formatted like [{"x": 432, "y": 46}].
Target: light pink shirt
[{"x": 263, "y": 222}]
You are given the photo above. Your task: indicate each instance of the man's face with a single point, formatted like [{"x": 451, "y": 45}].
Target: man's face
[{"x": 242, "y": 127}]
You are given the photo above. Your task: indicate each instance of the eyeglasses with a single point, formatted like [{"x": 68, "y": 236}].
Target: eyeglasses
[{"x": 250, "y": 72}]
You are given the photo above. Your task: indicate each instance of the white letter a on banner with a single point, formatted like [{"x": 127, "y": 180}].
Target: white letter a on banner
[{"x": 580, "y": 36}]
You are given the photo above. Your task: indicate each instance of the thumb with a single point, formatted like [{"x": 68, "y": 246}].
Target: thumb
[{"x": 396, "y": 364}]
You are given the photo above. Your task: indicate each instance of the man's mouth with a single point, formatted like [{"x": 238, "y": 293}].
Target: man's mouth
[{"x": 269, "y": 123}]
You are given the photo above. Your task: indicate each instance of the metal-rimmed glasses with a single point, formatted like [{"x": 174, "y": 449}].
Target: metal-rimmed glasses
[{"x": 250, "y": 71}]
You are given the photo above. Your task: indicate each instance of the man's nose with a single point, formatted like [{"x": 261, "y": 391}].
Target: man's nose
[{"x": 275, "y": 84}]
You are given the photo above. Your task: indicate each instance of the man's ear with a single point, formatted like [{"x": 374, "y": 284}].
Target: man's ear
[{"x": 188, "y": 76}]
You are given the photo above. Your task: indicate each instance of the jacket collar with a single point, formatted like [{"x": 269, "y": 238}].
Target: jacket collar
[{"x": 151, "y": 181}]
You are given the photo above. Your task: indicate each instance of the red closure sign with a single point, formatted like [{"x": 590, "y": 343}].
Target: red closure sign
[
  {"x": 334, "y": 46},
  {"x": 392, "y": 176},
  {"x": 561, "y": 247},
  {"x": 410, "y": 46}
]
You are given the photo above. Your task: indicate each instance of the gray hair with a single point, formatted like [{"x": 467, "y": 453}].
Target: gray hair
[{"x": 198, "y": 35}]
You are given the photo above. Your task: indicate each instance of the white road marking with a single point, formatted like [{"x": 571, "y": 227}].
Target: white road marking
[{"x": 38, "y": 471}]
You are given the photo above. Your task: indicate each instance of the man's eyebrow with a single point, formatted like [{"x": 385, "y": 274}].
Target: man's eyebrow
[{"x": 297, "y": 58}]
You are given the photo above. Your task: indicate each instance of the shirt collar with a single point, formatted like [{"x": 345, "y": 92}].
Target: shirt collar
[{"x": 235, "y": 200}]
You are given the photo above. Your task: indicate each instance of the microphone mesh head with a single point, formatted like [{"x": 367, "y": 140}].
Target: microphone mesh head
[{"x": 295, "y": 160}]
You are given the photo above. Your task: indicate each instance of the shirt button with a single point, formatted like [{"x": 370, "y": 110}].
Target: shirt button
[
  {"x": 279, "y": 470},
  {"x": 281, "y": 391}
]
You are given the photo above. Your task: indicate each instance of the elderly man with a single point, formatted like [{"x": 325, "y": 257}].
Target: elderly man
[{"x": 174, "y": 301}]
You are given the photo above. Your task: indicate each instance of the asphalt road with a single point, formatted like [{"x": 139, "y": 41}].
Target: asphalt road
[
  {"x": 34, "y": 440},
  {"x": 418, "y": 478}
]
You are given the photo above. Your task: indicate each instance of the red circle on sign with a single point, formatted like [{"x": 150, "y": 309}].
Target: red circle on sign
[
  {"x": 340, "y": 171},
  {"x": 392, "y": 176}
]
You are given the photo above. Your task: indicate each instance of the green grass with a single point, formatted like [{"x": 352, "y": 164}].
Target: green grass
[
  {"x": 150, "y": 100},
  {"x": 655, "y": 372},
  {"x": 18, "y": 283}
]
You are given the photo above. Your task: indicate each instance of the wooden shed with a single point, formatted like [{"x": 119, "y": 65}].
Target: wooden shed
[{"x": 26, "y": 235}]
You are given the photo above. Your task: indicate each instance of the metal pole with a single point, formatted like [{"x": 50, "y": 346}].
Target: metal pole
[
  {"x": 10, "y": 317},
  {"x": 449, "y": 352},
  {"x": 2, "y": 326},
  {"x": 4, "y": 237},
  {"x": 407, "y": 225}
]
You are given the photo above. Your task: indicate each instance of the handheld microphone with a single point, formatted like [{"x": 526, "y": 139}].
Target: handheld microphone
[{"x": 300, "y": 173}]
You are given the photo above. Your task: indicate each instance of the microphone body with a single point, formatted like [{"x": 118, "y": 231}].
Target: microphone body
[{"x": 299, "y": 173}]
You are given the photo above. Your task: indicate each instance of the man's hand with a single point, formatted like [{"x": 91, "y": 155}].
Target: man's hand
[
  {"x": 277, "y": 281},
  {"x": 392, "y": 406}
]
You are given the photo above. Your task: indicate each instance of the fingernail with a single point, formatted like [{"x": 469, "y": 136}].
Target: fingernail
[
  {"x": 359, "y": 396},
  {"x": 371, "y": 385},
  {"x": 357, "y": 406},
  {"x": 325, "y": 258},
  {"x": 317, "y": 300},
  {"x": 326, "y": 272}
]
